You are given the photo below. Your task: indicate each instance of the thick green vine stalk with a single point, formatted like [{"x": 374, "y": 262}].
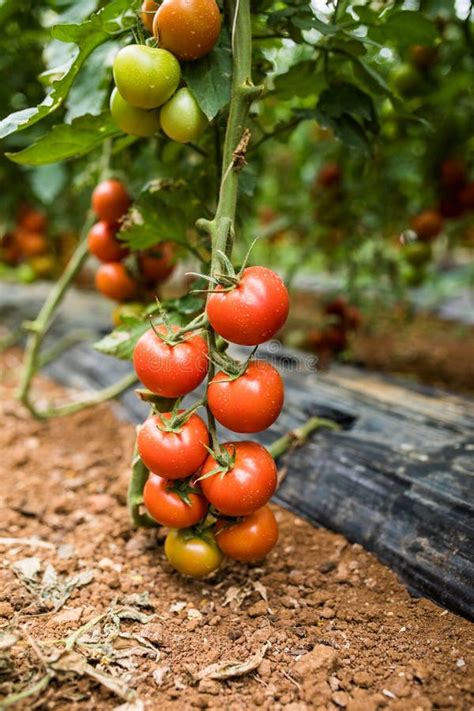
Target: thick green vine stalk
[{"x": 221, "y": 228}]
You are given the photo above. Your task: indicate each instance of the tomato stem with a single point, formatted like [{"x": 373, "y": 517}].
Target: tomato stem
[
  {"x": 135, "y": 493},
  {"x": 221, "y": 227},
  {"x": 299, "y": 435}
]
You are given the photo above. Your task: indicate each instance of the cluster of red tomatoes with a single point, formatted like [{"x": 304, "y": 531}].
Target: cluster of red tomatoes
[
  {"x": 147, "y": 96},
  {"x": 341, "y": 319},
  {"x": 28, "y": 242},
  {"x": 456, "y": 197},
  {"x": 123, "y": 276},
  {"x": 213, "y": 496}
]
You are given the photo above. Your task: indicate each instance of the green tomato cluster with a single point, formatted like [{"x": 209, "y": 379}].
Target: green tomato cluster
[{"x": 146, "y": 96}]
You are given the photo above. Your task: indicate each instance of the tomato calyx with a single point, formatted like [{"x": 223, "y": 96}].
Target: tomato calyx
[
  {"x": 203, "y": 529},
  {"x": 159, "y": 403},
  {"x": 176, "y": 420},
  {"x": 171, "y": 334},
  {"x": 233, "y": 369},
  {"x": 183, "y": 488},
  {"x": 225, "y": 460}
]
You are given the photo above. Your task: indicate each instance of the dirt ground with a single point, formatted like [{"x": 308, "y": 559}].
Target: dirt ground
[
  {"x": 418, "y": 346},
  {"x": 319, "y": 625}
]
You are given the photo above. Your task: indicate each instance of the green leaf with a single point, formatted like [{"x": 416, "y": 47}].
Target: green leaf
[
  {"x": 186, "y": 305},
  {"x": 350, "y": 113},
  {"x": 301, "y": 80},
  {"x": 47, "y": 181},
  {"x": 404, "y": 28},
  {"x": 68, "y": 140},
  {"x": 374, "y": 81},
  {"x": 91, "y": 87},
  {"x": 121, "y": 342},
  {"x": 308, "y": 21},
  {"x": 210, "y": 80},
  {"x": 164, "y": 210},
  {"x": 117, "y": 17}
]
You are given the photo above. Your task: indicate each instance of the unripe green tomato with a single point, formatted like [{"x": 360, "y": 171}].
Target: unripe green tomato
[
  {"x": 417, "y": 253},
  {"x": 136, "y": 122},
  {"x": 182, "y": 119},
  {"x": 406, "y": 79},
  {"x": 146, "y": 77}
]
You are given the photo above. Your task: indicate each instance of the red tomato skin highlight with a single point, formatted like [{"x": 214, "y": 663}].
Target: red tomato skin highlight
[
  {"x": 252, "y": 312},
  {"x": 247, "y": 486},
  {"x": 173, "y": 455},
  {"x": 170, "y": 371},
  {"x": 251, "y": 402},
  {"x": 167, "y": 507},
  {"x": 248, "y": 540}
]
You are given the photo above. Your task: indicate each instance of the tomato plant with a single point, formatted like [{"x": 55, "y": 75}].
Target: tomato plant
[
  {"x": 172, "y": 448},
  {"x": 315, "y": 118},
  {"x": 174, "y": 504},
  {"x": 250, "y": 539}
]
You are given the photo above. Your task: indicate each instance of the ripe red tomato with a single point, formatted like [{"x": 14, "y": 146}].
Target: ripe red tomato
[
  {"x": 31, "y": 244},
  {"x": 191, "y": 553},
  {"x": 10, "y": 252},
  {"x": 450, "y": 206},
  {"x": 169, "y": 506},
  {"x": 427, "y": 225},
  {"x": 466, "y": 197},
  {"x": 157, "y": 263},
  {"x": 33, "y": 220},
  {"x": 187, "y": 28},
  {"x": 337, "y": 307},
  {"x": 253, "y": 311},
  {"x": 453, "y": 173},
  {"x": 247, "y": 486},
  {"x": 110, "y": 201},
  {"x": 173, "y": 455},
  {"x": 251, "y": 402},
  {"x": 170, "y": 370},
  {"x": 103, "y": 243},
  {"x": 113, "y": 281},
  {"x": 248, "y": 540},
  {"x": 147, "y": 13},
  {"x": 423, "y": 56},
  {"x": 329, "y": 175}
]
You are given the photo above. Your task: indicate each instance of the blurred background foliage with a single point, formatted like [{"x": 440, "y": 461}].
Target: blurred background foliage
[{"x": 367, "y": 107}]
